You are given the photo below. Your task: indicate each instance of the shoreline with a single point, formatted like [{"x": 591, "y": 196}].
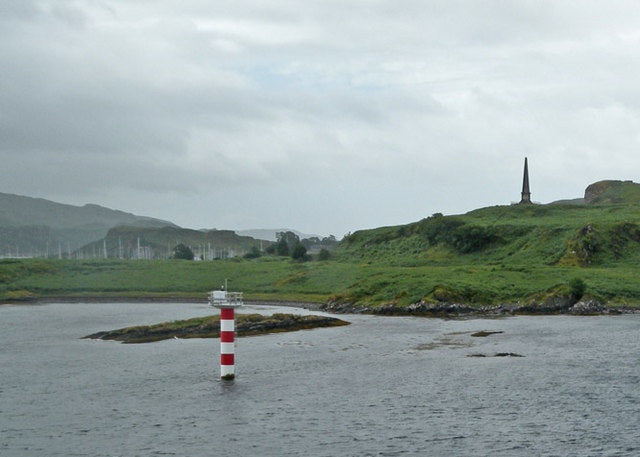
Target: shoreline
[
  {"x": 587, "y": 307},
  {"x": 560, "y": 306},
  {"x": 150, "y": 299}
]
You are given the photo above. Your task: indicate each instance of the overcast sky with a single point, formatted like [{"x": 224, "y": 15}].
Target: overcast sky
[{"x": 323, "y": 116}]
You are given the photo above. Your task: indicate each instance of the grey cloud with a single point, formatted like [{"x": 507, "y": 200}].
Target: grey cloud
[{"x": 349, "y": 105}]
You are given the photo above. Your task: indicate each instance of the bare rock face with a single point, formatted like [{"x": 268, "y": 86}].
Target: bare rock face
[
  {"x": 595, "y": 190},
  {"x": 612, "y": 191},
  {"x": 587, "y": 307}
]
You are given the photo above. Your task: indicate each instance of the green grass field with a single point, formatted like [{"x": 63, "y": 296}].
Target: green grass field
[{"x": 493, "y": 255}]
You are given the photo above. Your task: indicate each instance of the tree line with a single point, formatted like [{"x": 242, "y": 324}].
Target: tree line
[{"x": 287, "y": 244}]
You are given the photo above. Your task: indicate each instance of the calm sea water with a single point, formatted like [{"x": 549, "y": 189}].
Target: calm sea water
[{"x": 383, "y": 386}]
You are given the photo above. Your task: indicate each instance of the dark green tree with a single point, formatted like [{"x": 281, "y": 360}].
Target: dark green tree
[
  {"x": 288, "y": 237},
  {"x": 254, "y": 253},
  {"x": 329, "y": 241},
  {"x": 324, "y": 254},
  {"x": 182, "y": 251},
  {"x": 282, "y": 248},
  {"x": 310, "y": 242},
  {"x": 299, "y": 252},
  {"x": 578, "y": 288}
]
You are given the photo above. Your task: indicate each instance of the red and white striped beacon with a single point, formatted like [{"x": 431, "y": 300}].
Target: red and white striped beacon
[{"x": 227, "y": 302}]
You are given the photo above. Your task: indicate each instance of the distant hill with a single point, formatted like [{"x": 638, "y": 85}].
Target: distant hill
[
  {"x": 38, "y": 227},
  {"x": 19, "y": 211},
  {"x": 126, "y": 242}
]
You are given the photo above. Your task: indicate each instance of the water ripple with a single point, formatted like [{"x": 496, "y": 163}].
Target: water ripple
[{"x": 380, "y": 387}]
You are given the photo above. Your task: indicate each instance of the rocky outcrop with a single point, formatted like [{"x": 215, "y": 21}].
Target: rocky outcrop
[
  {"x": 612, "y": 191},
  {"x": 588, "y": 307},
  {"x": 209, "y": 327},
  {"x": 421, "y": 308},
  {"x": 595, "y": 190},
  {"x": 553, "y": 305},
  {"x": 283, "y": 323},
  {"x": 439, "y": 308}
]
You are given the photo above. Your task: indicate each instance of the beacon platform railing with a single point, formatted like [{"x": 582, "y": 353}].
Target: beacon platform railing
[{"x": 220, "y": 298}]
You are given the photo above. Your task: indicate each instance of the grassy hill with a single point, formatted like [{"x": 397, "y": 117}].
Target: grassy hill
[
  {"x": 503, "y": 254},
  {"x": 535, "y": 235}
]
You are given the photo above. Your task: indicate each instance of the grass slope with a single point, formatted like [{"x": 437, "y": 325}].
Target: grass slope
[{"x": 502, "y": 253}]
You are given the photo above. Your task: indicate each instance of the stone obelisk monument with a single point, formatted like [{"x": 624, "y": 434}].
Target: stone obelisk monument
[{"x": 526, "y": 193}]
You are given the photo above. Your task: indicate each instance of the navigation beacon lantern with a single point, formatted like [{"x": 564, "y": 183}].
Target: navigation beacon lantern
[{"x": 227, "y": 302}]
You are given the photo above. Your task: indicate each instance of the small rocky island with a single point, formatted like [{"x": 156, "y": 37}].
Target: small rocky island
[{"x": 209, "y": 327}]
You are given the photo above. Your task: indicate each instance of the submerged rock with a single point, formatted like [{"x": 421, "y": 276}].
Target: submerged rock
[
  {"x": 499, "y": 354},
  {"x": 485, "y": 333}
]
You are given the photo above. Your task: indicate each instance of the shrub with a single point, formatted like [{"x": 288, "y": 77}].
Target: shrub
[
  {"x": 299, "y": 252},
  {"x": 254, "y": 253},
  {"x": 469, "y": 238},
  {"x": 438, "y": 229},
  {"x": 577, "y": 288},
  {"x": 282, "y": 248},
  {"x": 182, "y": 251}
]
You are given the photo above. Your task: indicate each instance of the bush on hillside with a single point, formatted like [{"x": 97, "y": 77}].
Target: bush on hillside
[
  {"x": 577, "y": 287},
  {"x": 182, "y": 251},
  {"x": 299, "y": 252},
  {"x": 470, "y": 238},
  {"x": 439, "y": 229},
  {"x": 254, "y": 253}
]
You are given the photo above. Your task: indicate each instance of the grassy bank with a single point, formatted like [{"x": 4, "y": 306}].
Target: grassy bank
[
  {"x": 265, "y": 278},
  {"x": 365, "y": 283}
]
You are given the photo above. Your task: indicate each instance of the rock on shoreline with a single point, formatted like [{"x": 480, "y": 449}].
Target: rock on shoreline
[
  {"x": 557, "y": 305},
  {"x": 209, "y": 327}
]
